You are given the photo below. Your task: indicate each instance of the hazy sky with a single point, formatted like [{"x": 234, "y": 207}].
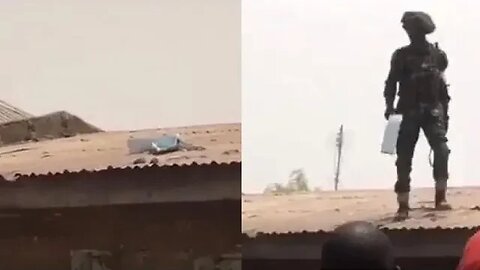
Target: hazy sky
[
  {"x": 309, "y": 66},
  {"x": 123, "y": 64}
]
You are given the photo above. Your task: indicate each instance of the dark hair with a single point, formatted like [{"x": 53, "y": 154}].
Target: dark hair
[{"x": 357, "y": 246}]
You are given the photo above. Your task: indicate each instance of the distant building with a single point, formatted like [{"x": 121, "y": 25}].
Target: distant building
[
  {"x": 9, "y": 113},
  {"x": 17, "y": 126}
]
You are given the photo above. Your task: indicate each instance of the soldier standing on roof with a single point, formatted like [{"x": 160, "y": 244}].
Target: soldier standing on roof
[{"x": 423, "y": 102}]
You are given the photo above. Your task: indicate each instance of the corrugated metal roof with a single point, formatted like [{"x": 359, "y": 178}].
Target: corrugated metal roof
[
  {"x": 220, "y": 143},
  {"x": 325, "y": 210},
  {"x": 9, "y": 113}
]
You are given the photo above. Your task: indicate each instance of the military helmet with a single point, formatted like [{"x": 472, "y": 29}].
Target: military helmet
[{"x": 418, "y": 21}]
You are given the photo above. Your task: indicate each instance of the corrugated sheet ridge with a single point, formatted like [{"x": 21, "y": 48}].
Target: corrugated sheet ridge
[
  {"x": 9, "y": 113},
  {"x": 131, "y": 167}
]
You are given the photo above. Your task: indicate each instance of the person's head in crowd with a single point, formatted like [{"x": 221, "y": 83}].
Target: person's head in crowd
[
  {"x": 471, "y": 254},
  {"x": 358, "y": 245}
]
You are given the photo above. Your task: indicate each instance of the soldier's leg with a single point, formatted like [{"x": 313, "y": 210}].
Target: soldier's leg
[
  {"x": 435, "y": 130},
  {"x": 407, "y": 139}
]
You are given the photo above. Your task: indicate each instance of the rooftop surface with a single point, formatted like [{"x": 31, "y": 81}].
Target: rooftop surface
[
  {"x": 221, "y": 143},
  {"x": 323, "y": 211}
]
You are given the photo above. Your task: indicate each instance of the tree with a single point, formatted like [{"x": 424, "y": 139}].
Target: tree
[{"x": 297, "y": 182}]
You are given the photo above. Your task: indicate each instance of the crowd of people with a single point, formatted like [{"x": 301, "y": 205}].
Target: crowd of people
[{"x": 360, "y": 245}]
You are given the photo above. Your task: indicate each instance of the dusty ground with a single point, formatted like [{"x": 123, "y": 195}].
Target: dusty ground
[{"x": 325, "y": 210}]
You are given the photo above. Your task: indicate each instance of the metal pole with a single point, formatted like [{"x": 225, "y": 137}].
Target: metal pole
[{"x": 339, "y": 156}]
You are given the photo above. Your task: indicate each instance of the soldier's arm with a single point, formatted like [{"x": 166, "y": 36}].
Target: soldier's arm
[
  {"x": 392, "y": 80},
  {"x": 442, "y": 66},
  {"x": 442, "y": 58},
  {"x": 443, "y": 61}
]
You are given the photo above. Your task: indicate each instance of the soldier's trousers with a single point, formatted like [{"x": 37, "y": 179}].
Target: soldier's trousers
[{"x": 431, "y": 119}]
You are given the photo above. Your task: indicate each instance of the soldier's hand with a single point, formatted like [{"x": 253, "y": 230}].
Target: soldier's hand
[{"x": 388, "y": 112}]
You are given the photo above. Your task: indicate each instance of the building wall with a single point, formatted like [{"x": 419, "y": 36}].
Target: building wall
[
  {"x": 123, "y": 186},
  {"x": 415, "y": 249},
  {"x": 153, "y": 236},
  {"x": 147, "y": 218},
  {"x": 444, "y": 263}
]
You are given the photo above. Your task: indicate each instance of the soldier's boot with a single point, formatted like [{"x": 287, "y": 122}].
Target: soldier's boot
[
  {"x": 403, "y": 206},
  {"x": 441, "y": 196}
]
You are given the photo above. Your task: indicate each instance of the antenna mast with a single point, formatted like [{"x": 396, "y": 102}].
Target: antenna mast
[{"x": 339, "y": 144}]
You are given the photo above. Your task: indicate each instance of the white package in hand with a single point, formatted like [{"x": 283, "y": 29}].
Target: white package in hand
[{"x": 390, "y": 136}]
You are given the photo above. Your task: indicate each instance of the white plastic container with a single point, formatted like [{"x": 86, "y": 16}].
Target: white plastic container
[{"x": 390, "y": 136}]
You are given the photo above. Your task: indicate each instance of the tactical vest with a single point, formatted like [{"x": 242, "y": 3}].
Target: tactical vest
[{"x": 422, "y": 79}]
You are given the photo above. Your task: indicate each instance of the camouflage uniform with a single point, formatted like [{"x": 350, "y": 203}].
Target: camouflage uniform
[{"x": 423, "y": 102}]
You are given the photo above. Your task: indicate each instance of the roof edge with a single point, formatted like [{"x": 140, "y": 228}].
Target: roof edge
[
  {"x": 220, "y": 125},
  {"x": 263, "y": 235},
  {"x": 32, "y": 176}
]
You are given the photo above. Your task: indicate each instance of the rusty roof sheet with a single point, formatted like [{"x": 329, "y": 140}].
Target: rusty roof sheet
[
  {"x": 9, "y": 113},
  {"x": 98, "y": 151},
  {"x": 323, "y": 211}
]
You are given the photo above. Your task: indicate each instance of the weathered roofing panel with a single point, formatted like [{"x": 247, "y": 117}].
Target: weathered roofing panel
[
  {"x": 323, "y": 211},
  {"x": 98, "y": 151},
  {"x": 9, "y": 113}
]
